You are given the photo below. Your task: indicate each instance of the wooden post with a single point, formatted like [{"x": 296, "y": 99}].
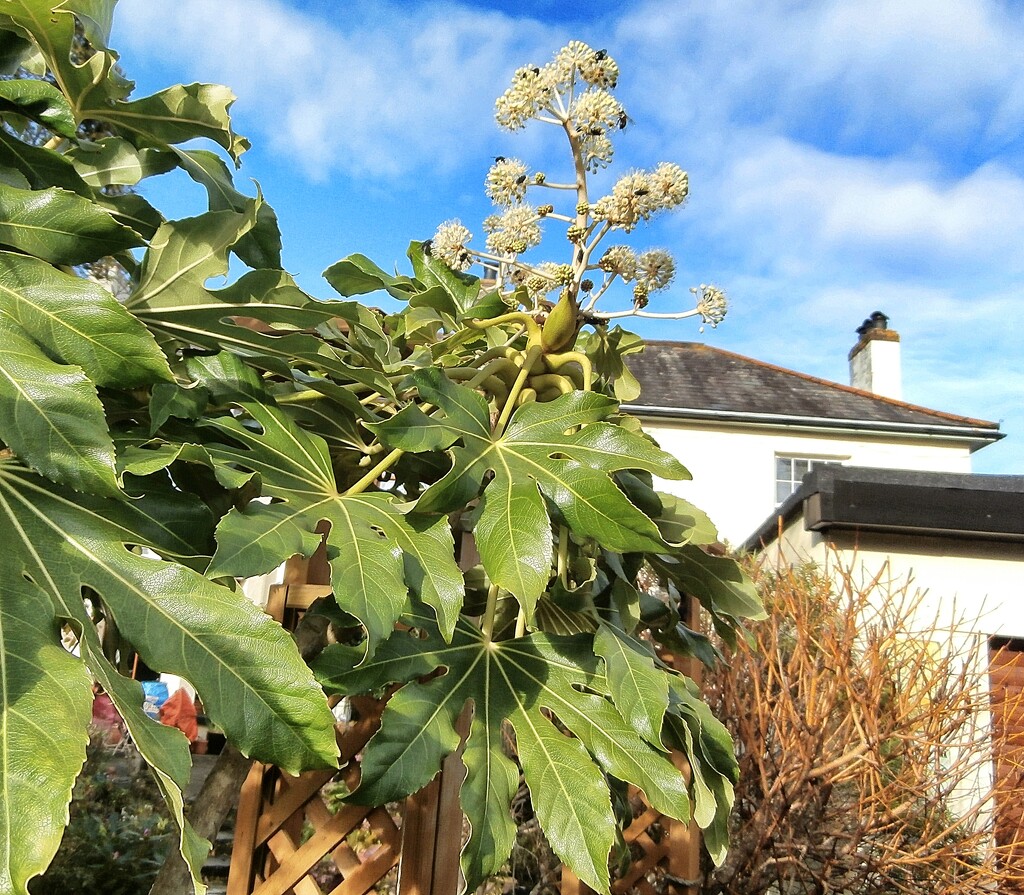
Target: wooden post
[{"x": 432, "y": 829}]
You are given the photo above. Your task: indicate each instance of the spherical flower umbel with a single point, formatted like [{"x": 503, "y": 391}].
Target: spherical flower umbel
[
  {"x": 507, "y": 182},
  {"x": 630, "y": 201},
  {"x": 596, "y": 150},
  {"x": 449, "y": 244},
  {"x": 655, "y": 268},
  {"x": 532, "y": 90},
  {"x": 596, "y": 109},
  {"x": 670, "y": 184},
  {"x": 595, "y": 67},
  {"x": 620, "y": 260},
  {"x": 513, "y": 232},
  {"x": 711, "y": 303}
]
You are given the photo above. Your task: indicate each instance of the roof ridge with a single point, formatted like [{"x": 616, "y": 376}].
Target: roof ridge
[{"x": 849, "y": 389}]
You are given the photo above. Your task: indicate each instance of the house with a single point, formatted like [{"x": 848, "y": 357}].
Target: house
[
  {"x": 853, "y": 478},
  {"x": 958, "y": 539},
  {"x": 748, "y": 431}
]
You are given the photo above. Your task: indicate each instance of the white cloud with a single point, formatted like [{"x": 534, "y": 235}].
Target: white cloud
[
  {"x": 889, "y": 74},
  {"x": 792, "y": 201},
  {"x": 387, "y": 94}
]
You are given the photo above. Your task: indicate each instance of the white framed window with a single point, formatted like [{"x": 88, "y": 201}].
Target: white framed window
[{"x": 790, "y": 470}]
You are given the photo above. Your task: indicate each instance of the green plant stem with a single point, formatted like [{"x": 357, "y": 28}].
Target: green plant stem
[
  {"x": 531, "y": 355},
  {"x": 492, "y": 606},
  {"x": 562, "y": 557},
  {"x": 374, "y": 473},
  {"x": 521, "y": 621}
]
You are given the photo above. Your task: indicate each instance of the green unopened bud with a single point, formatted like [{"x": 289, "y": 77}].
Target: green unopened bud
[{"x": 559, "y": 330}]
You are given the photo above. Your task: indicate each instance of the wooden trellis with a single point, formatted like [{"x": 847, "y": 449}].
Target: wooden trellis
[
  {"x": 284, "y": 831},
  {"x": 665, "y": 853}
]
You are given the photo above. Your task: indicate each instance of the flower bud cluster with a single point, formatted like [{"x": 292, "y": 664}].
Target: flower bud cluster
[
  {"x": 449, "y": 244},
  {"x": 506, "y": 182},
  {"x": 640, "y": 194},
  {"x": 514, "y": 231},
  {"x": 547, "y": 277},
  {"x": 712, "y": 304}
]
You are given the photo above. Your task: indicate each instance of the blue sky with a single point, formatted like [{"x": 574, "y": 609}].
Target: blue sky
[{"x": 845, "y": 156}]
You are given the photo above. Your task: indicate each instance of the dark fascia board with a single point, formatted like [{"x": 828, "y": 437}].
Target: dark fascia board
[{"x": 900, "y": 501}]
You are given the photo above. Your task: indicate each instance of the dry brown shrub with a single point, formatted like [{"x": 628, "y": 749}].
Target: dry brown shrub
[{"x": 865, "y": 745}]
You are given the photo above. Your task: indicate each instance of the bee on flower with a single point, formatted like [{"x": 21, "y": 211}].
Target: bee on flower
[{"x": 575, "y": 92}]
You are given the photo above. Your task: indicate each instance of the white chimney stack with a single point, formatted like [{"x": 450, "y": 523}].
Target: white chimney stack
[{"x": 875, "y": 359}]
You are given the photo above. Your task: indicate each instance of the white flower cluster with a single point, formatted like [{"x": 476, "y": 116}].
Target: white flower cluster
[
  {"x": 507, "y": 181},
  {"x": 595, "y": 113},
  {"x": 620, "y": 260},
  {"x": 532, "y": 90},
  {"x": 514, "y": 231},
  {"x": 655, "y": 269},
  {"x": 573, "y": 92},
  {"x": 640, "y": 194},
  {"x": 711, "y": 303},
  {"x": 595, "y": 67},
  {"x": 449, "y": 244}
]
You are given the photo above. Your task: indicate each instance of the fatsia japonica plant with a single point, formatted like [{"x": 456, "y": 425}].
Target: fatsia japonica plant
[{"x": 157, "y": 448}]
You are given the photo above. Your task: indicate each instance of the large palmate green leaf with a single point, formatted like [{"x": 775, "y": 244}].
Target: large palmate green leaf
[
  {"x": 47, "y": 700},
  {"x": 358, "y": 275},
  {"x": 539, "y": 453},
  {"x": 41, "y": 167},
  {"x": 51, "y": 415},
  {"x": 38, "y": 101},
  {"x": 692, "y": 728},
  {"x": 541, "y": 685},
  {"x": 176, "y": 115},
  {"x": 244, "y": 665},
  {"x": 63, "y": 336},
  {"x": 79, "y": 322},
  {"x": 261, "y": 247},
  {"x": 60, "y": 227},
  {"x": 87, "y": 83},
  {"x": 172, "y": 300},
  {"x": 719, "y": 582},
  {"x": 378, "y": 553},
  {"x": 116, "y": 162},
  {"x": 94, "y": 88}
]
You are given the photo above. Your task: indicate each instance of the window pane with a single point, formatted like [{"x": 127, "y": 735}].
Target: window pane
[{"x": 782, "y": 491}]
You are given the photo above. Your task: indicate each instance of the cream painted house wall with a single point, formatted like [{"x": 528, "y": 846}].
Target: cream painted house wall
[
  {"x": 733, "y": 466},
  {"x": 974, "y": 589}
]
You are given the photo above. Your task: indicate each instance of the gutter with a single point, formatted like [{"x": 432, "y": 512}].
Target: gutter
[{"x": 823, "y": 424}]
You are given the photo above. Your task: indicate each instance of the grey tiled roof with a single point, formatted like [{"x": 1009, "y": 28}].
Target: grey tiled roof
[{"x": 689, "y": 380}]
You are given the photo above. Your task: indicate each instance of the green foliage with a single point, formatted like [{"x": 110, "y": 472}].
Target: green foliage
[
  {"x": 119, "y": 834},
  {"x": 155, "y": 448}
]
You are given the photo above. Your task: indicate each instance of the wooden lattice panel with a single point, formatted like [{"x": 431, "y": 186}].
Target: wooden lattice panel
[{"x": 284, "y": 830}]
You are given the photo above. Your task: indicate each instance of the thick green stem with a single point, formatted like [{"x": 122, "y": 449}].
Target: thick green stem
[
  {"x": 375, "y": 473},
  {"x": 562, "y": 561},
  {"x": 531, "y": 355},
  {"x": 492, "y": 607},
  {"x": 521, "y": 621}
]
